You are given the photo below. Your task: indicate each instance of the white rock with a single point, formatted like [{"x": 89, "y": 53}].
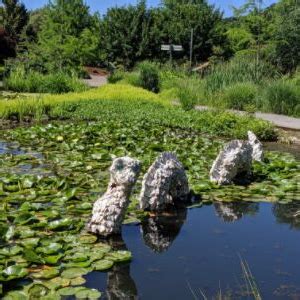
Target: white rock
[
  {"x": 235, "y": 159},
  {"x": 109, "y": 210},
  {"x": 257, "y": 147},
  {"x": 165, "y": 184}
]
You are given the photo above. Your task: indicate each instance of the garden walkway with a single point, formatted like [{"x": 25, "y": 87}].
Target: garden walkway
[
  {"x": 96, "y": 80},
  {"x": 278, "y": 120}
]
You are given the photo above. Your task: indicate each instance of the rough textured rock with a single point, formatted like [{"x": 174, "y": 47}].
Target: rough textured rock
[
  {"x": 257, "y": 147},
  {"x": 160, "y": 231},
  {"x": 109, "y": 210},
  {"x": 165, "y": 184},
  {"x": 234, "y": 160}
]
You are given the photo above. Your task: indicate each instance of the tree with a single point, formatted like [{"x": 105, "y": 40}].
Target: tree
[
  {"x": 287, "y": 35},
  {"x": 68, "y": 37},
  {"x": 126, "y": 32},
  {"x": 14, "y": 17},
  {"x": 7, "y": 46},
  {"x": 182, "y": 16}
]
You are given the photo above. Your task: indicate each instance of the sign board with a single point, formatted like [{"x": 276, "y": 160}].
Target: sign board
[
  {"x": 177, "y": 48},
  {"x": 171, "y": 48},
  {"x": 165, "y": 47}
]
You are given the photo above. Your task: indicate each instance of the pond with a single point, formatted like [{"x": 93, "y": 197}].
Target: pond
[
  {"x": 200, "y": 250},
  {"x": 51, "y": 175}
]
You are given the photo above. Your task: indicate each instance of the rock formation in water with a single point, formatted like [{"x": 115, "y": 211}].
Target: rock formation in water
[
  {"x": 165, "y": 184},
  {"x": 109, "y": 210},
  {"x": 234, "y": 160},
  {"x": 160, "y": 231},
  {"x": 257, "y": 147}
]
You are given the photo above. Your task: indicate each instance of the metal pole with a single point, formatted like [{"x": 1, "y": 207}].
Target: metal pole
[
  {"x": 171, "y": 54},
  {"x": 191, "y": 48}
]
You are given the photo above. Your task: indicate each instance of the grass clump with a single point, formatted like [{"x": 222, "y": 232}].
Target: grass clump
[
  {"x": 238, "y": 70},
  {"x": 189, "y": 93},
  {"x": 240, "y": 95},
  {"x": 281, "y": 97},
  {"x": 20, "y": 80}
]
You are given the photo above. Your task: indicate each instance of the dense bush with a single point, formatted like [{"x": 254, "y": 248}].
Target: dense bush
[
  {"x": 149, "y": 77},
  {"x": 282, "y": 97},
  {"x": 240, "y": 95},
  {"x": 20, "y": 80},
  {"x": 116, "y": 76}
]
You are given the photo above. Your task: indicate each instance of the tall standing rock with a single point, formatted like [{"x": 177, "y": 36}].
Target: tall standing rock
[
  {"x": 165, "y": 184},
  {"x": 235, "y": 159},
  {"x": 109, "y": 210},
  {"x": 257, "y": 147}
]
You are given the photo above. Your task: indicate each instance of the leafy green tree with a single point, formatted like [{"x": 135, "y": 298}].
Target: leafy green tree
[
  {"x": 126, "y": 33},
  {"x": 183, "y": 16},
  {"x": 68, "y": 37},
  {"x": 287, "y": 35},
  {"x": 14, "y": 17}
]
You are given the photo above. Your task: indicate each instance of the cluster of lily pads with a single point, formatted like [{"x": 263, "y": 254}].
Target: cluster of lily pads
[{"x": 50, "y": 176}]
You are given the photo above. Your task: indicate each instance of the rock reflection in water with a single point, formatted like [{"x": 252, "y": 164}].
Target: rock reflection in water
[
  {"x": 161, "y": 230},
  {"x": 120, "y": 284},
  {"x": 288, "y": 214},
  {"x": 233, "y": 211}
]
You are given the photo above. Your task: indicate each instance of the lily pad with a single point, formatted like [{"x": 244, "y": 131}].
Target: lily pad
[
  {"x": 88, "y": 239},
  {"x": 13, "y": 272},
  {"x": 77, "y": 281},
  {"x": 74, "y": 272},
  {"x": 15, "y": 295},
  {"x": 88, "y": 294},
  {"x": 119, "y": 256},
  {"x": 102, "y": 265},
  {"x": 46, "y": 273}
]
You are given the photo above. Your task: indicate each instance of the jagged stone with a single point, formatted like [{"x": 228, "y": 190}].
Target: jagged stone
[
  {"x": 109, "y": 210},
  {"x": 165, "y": 184},
  {"x": 234, "y": 160},
  {"x": 257, "y": 147}
]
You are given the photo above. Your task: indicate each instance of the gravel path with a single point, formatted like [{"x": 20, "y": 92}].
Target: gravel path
[
  {"x": 96, "y": 81},
  {"x": 278, "y": 120}
]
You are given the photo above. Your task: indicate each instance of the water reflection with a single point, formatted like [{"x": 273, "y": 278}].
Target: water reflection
[
  {"x": 120, "y": 284},
  {"x": 288, "y": 214},
  {"x": 233, "y": 211},
  {"x": 160, "y": 231},
  {"x": 10, "y": 148}
]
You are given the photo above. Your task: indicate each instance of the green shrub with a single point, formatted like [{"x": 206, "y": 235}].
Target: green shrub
[
  {"x": 149, "y": 76},
  {"x": 281, "y": 97},
  {"x": 116, "y": 76},
  {"x": 19, "y": 80},
  {"x": 240, "y": 95}
]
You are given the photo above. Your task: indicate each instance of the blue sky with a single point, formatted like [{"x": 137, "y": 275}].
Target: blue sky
[{"x": 102, "y": 5}]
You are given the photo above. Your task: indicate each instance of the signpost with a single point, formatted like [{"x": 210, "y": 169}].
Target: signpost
[{"x": 171, "y": 48}]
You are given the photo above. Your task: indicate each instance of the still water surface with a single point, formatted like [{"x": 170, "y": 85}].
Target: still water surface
[{"x": 202, "y": 253}]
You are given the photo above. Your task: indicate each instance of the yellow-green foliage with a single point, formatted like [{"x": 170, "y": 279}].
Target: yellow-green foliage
[{"x": 36, "y": 106}]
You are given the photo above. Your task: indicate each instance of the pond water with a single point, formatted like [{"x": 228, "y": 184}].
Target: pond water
[
  {"x": 195, "y": 253},
  {"x": 199, "y": 251}
]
